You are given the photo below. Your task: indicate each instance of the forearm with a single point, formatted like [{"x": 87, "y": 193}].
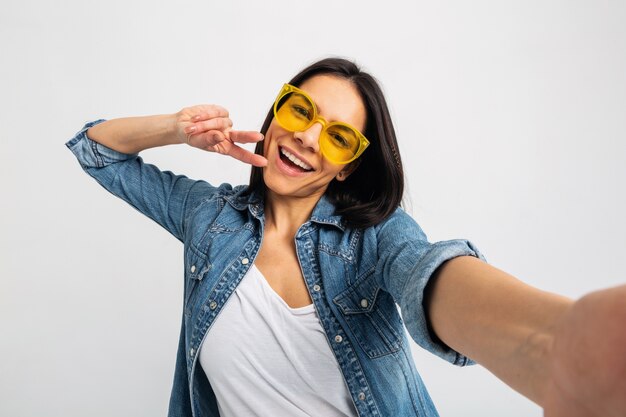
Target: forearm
[
  {"x": 497, "y": 320},
  {"x": 135, "y": 134}
]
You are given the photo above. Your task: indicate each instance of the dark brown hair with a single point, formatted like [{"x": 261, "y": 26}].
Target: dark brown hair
[{"x": 374, "y": 190}]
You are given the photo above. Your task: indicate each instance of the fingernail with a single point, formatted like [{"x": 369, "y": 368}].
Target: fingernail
[
  {"x": 190, "y": 129},
  {"x": 195, "y": 118}
]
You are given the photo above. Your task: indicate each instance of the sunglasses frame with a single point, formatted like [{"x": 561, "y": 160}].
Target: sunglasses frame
[{"x": 287, "y": 89}]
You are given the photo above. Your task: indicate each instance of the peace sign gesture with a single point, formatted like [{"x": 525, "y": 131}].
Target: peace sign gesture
[{"x": 209, "y": 127}]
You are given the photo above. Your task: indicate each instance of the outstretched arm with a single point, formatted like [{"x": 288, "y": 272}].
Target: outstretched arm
[
  {"x": 557, "y": 352},
  {"x": 588, "y": 366}
]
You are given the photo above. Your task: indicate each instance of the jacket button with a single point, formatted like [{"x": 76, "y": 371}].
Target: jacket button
[
  {"x": 191, "y": 352},
  {"x": 245, "y": 261},
  {"x": 212, "y": 305},
  {"x": 193, "y": 269},
  {"x": 364, "y": 303},
  {"x": 338, "y": 339},
  {"x": 316, "y": 287},
  {"x": 361, "y": 396}
]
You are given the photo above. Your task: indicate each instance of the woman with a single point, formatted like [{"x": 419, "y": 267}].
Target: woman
[{"x": 291, "y": 283}]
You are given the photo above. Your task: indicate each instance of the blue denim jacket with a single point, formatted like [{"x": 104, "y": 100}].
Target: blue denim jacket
[{"x": 354, "y": 276}]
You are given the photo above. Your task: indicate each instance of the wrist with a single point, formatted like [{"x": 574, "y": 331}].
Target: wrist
[{"x": 167, "y": 129}]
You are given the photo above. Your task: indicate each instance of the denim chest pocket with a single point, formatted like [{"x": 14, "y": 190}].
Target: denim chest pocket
[
  {"x": 372, "y": 317},
  {"x": 196, "y": 268}
]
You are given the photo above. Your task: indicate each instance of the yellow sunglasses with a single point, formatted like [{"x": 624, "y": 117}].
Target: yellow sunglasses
[{"x": 339, "y": 142}]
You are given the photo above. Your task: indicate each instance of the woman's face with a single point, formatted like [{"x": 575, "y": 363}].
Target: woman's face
[{"x": 295, "y": 165}]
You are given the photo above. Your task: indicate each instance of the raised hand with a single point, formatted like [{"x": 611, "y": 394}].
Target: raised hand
[{"x": 209, "y": 127}]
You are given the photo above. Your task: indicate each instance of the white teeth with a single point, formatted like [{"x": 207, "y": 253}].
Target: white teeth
[{"x": 295, "y": 160}]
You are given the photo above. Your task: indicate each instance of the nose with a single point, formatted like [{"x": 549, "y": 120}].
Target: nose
[{"x": 310, "y": 138}]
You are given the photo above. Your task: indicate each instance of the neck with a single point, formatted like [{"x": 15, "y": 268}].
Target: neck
[{"x": 285, "y": 214}]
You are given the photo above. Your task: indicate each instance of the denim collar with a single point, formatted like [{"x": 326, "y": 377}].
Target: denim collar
[{"x": 323, "y": 213}]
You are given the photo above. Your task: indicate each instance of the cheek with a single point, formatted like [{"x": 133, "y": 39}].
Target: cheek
[
  {"x": 269, "y": 138},
  {"x": 272, "y": 133},
  {"x": 331, "y": 170}
]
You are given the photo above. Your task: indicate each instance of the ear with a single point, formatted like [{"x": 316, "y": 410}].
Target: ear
[{"x": 347, "y": 170}]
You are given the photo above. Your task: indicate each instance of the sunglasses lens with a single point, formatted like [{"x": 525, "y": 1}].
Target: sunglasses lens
[
  {"x": 339, "y": 143},
  {"x": 294, "y": 112}
]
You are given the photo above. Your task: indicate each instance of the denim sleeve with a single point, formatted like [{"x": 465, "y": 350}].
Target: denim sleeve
[
  {"x": 166, "y": 198},
  {"x": 407, "y": 261}
]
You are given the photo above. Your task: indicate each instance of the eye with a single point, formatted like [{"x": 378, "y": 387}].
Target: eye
[
  {"x": 301, "y": 111},
  {"x": 340, "y": 140}
]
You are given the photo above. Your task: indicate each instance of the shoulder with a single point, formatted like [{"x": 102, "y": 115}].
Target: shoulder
[{"x": 399, "y": 226}]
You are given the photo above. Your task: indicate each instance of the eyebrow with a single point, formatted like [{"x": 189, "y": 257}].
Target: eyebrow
[
  {"x": 317, "y": 106},
  {"x": 343, "y": 128}
]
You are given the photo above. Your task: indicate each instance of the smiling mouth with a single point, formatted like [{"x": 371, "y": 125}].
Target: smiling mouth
[{"x": 291, "y": 160}]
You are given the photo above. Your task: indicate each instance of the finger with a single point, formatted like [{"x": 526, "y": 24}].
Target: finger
[
  {"x": 242, "y": 154},
  {"x": 220, "y": 123},
  {"x": 245, "y": 136},
  {"x": 207, "y": 112},
  {"x": 211, "y": 139},
  {"x": 206, "y": 140}
]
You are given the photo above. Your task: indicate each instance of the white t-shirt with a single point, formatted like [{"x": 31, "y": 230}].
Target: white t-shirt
[{"x": 264, "y": 358}]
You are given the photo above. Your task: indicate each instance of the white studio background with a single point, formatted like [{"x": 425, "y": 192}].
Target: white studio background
[{"x": 511, "y": 118}]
